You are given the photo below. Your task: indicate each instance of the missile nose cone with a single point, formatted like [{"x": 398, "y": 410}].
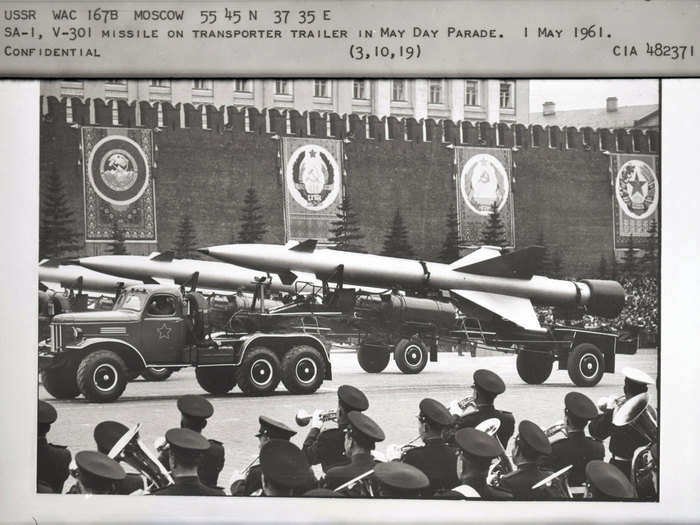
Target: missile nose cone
[
  {"x": 205, "y": 251},
  {"x": 72, "y": 261}
]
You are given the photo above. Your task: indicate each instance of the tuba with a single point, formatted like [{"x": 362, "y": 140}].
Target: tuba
[
  {"x": 303, "y": 418},
  {"x": 131, "y": 450}
]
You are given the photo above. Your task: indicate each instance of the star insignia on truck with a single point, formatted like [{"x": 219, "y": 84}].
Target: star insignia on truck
[{"x": 164, "y": 332}]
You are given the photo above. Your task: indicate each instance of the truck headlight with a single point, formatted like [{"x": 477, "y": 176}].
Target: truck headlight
[{"x": 77, "y": 333}]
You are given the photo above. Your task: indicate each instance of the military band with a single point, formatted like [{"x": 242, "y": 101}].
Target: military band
[{"x": 462, "y": 457}]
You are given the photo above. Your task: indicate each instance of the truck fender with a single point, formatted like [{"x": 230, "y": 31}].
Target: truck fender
[{"x": 131, "y": 355}]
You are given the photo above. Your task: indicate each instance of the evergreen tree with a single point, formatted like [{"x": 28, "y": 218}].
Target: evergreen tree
[
  {"x": 602, "y": 268},
  {"x": 252, "y": 219},
  {"x": 186, "y": 240},
  {"x": 57, "y": 234},
  {"x": 557, "y": 268},
  {"x": 650, "y": 259},
  {"x": 345, "y": 231},
  {"x": 629, "y": 259},
  {"x": 450, "y": 248},
  {"x": 396, "y": 242},
  {"x": 494, "y": 233},
  {"x": 546, "y": 261},
  {"x": 117, "y": 246},
  {"x": 614, "y": 268}
]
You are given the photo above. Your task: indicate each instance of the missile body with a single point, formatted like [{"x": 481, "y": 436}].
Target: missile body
[
  {"x": 503, "y": 284},
  {"x": 66, "y": 276}
]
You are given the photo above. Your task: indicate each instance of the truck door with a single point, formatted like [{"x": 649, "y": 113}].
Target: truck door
[{"x": 163, "y": 334}]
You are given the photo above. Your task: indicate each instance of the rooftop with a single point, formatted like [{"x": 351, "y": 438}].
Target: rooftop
[{"x": 622, "y": 117}]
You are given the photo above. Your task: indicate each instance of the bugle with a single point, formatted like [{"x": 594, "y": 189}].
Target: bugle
[
  {"x": 131, "y": 450},
  {"x": 303, "y": 418}
]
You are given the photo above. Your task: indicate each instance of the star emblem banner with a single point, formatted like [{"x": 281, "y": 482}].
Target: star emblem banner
[{"x": 635, "y": 182}]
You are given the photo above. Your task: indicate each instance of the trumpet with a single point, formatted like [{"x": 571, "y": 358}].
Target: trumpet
[
  {"x": 557, "y": 427},
  {"x": 303, "y": 418}
]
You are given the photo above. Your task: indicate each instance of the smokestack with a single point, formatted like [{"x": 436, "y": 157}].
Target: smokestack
[
  {"x": 611, "y": 104},
  {"x": 548, "y": 108}
]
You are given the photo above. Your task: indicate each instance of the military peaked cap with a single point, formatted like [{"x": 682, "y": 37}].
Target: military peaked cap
[
  {"x": 353, "y": 398},
  {"x": 401, "y": 476},
  {"x": 46, "y": 413},
  {"x": 609, "y": 480},
  {"x": 489, "y": 381},
  {"x": 637, "y": 376},
  {"x": 365, "y": 426},
  {"x": 107, "y": 433},
  {"x": 534, "y": 437},
  {"x": 580, "y": 406},
  {"x": 186, "y": 439},
  {"x": 274, "y": 429},
  {"x": 436, "y": 412},
  {"x": 99, "y": 465},
  {"x": 285, "y": 465},
  {"x": 478, "y": 443},
  {"x": 195, "y": 406}
]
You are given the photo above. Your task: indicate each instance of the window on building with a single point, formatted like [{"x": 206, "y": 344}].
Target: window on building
[
  {"x": 360, "y": 89},
  {"x": 160, "y": 83},
  {"x": 436, "y": 92},
  {"x": 283, "y": 87},
  {"x": 115, "y": 82},
  {"x": 241, "y": 85},
  {"x": 506, "y": 95},
  {"x": 321, "y": 89},
  {"x": 202, "y": 84},
  {"x": 471, "y": 93},
  {"x": 398, "y": 91}
]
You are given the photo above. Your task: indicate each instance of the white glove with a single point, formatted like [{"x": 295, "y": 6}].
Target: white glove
[
  {"x": 316, "y": 421},
  {"x": 454, "y": 408}
]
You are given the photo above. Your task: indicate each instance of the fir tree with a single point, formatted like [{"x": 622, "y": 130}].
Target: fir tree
[
  {"x": 252, "y": 219},
  {"x": 629, "y": 259},
  {"x": 557, "y": 268},
  {"x": 57, "y": 236},
  {"x": 546, "y": 261},
  {"x": 494, "y": 233},
  {"x": 345, "y": 231},
  {"x": 186, "y": 240},
  {"x": 117, "y": 246},
  {"x": 450, "y": 248},
  {"x": 602, "y": 268},
  {"x": 650, "y": 259},
  {"x": 396, "y": 242}
]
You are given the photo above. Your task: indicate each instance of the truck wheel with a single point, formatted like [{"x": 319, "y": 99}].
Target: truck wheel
[
  {"x": 259, "y": 372},
  {"x": 102, "y": 376},
  {"x": 586, "y": 365},
  {"x": 216, "y": 380},
  {"x": 61, "y": 382},
  {"x": 410, "y": 355},
  {"x": 372, "y": 359},
  {"x": 534, "y": 367},
  {"x": 157, "y": 374},
  {"x": 303, "y": 370}
]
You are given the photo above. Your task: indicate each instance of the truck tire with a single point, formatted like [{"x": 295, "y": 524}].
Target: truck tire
[
  {"x": 102, "y": 376},
  {"x": 217, "y": 380},
  {"x": 61, "y": 382},
  {"x": 157, "y": 374},
  {"x": 372, "y": 359},
  {"x": 259, "y": 372},
  {"x": 411, "y": 356},
  {"x": 303, "y": 369},
  {"x": 534, "y": 367},
  {"x": 586, "y": 365}
]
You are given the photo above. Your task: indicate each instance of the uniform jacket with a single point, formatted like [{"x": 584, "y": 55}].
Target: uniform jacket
[
  {"x": 479, "y": 485},
  {"x": 251, "y": 483},
  {"x": 52, "y": 463},
  {"x": 484, "y": 412},
  {"x": 519, "y": 483},
  {"x": 326, "y": 448},
  {"x": 210, "y": 466},
  {"x": 359, "y": 464},
  {"x": 188, "y": 486},
  {"x": 577, "y": 450},
  {"x": 623, "y": 440},
  {"x": 437, "y": 461}
]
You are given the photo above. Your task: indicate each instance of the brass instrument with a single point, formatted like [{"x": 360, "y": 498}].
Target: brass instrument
[
  {"x": 131, "y": 450},
  {"x": 557, "y": 427},
  {"x": 361, "y": 480},
  {"x": 460, "y": 407},
  {"x": 243, "y": 474},
  {"x": 303, "y": 418},
  {"x": 396, "y": 452},
  {"x": 615, "y": 402},
  {"x": 490, "y": 426}
]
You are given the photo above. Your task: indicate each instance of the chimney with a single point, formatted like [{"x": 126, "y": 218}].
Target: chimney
[
  {"x": 548, "y": 108},
  {"x": 611, "y": 104}
]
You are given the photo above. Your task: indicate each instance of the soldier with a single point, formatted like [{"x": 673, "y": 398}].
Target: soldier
[
  {"x": 322, "y": 493},
  {"x": 269, "y": 429},
  {"x": 477, "y": 450},
  {"x": 195, "y": 410},
  {"x": 361, "y": 434},
  {"x": 435, "y": 459},
  {"x": 399, "y": 480},
  {"x": 327, "y": 447},
  {"x": 285, "y": 470},
  {"x": 607, "y": 482},
  {"x": 623, "y": 440},
  {"x": 106, "y": 435},
  {"x": 97, "y": 473},
  {"x": 576, "y": 449},
  {"x": 52, "y": 461},
  {"x": 487, "y": 385},
  {"x": 530, "y": 445},
  {"x": 186, "y": 449}
]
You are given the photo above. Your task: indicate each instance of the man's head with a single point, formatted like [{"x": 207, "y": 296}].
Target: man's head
[
  {"x": 361, "y": 434},
  {"x": 487, "y": 385},
  {"x": 46, "y": 415},
  {"x": 97, "y": 473},
  {"x": 530, "y": 444},
  {"x": 607, "y": 482},
  {"x": 636, "y": 381},
  {"x": 433, "y": 418},
  {"x": 194, "y": 410},
  {"x": 285, "y": 469},
  {"x": 272, "y": 429},
  {"x": 186, "y": 450},
  {"x": 476, "y": 451},
  {"x": 107, "y": 434},
  {"x": 349, "y": 399},
  {"x": 578, "y": 410}
]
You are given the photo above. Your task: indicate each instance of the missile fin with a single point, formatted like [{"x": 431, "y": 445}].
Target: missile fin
[
  {"x": 521, "y": 264},
  {"x": 165, "y": 256},
  {"x": 307, "y": 246},
  {"x": 515, "y": 309},
  {"x": 50, "y": 263},
  {"x": 150, "y": 280},
  {"x": 482, "y": 254},
  {"x": 287, "y": 277}
]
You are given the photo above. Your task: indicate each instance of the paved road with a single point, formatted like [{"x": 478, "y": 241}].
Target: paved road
[{"x": 393, "y": 397}]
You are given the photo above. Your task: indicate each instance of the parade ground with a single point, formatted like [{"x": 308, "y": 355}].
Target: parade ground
[{"x": 393, "y": 398}]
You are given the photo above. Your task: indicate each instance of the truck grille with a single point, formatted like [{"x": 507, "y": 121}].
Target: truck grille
[{"x": 55, "y": 337}]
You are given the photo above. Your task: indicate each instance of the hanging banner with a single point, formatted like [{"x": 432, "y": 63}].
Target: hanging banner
[
  {"x": 118, "y": 184},
  {"x": 635, "y": 184},
  {"x": 483, "y": 177},
  {"x": 313, "y": 186}
]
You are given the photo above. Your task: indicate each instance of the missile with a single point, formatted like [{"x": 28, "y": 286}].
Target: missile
[
  {"x": 55, "y": 274},
  {"x": 502, "y": 284},
  {"x": 161, "y": 267}
]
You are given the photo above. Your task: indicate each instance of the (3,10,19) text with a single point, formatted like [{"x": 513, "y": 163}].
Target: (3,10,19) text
[{"x": 386, "y": 52}]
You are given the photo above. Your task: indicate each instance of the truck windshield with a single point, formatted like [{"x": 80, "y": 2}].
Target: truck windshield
[{"x": 130, "y": 301}]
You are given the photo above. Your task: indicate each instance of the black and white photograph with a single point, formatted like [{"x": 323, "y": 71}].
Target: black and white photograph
[{"x": 399, "y": 288}]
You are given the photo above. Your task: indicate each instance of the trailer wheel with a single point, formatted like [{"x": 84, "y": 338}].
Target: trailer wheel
[
  {"x": 61, "y": 382},
  {"x": 102, "y": 376},
  {"x": 534, "y": 367},
  {"x": 303, "y": 370},
  {"x": 216, "y": 380},
  {"x": 259, "y": 372},
  {"x": 410, "y": 356},
  {"x": 586, "y": 365},
  {"x": 157, "y": 374},
  {"x": 372, "y": 359}
]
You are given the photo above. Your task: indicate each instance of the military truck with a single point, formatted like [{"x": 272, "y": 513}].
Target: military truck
[{"x": 165, "y": 327}]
